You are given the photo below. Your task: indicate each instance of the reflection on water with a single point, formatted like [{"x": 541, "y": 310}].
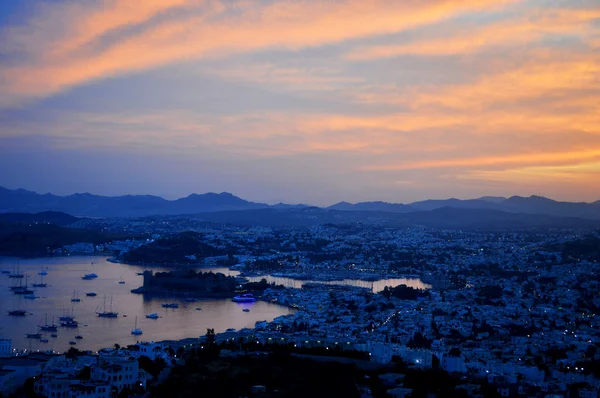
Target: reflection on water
[
  {"x": 64, "y": 281},
  {"x": 376, "y": 286}
]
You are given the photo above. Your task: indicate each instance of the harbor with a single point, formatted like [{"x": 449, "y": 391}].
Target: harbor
[{"x": 174, "y": 318}]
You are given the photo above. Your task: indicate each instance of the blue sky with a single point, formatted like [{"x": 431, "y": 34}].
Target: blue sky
[{"x": 301, "y": 101}]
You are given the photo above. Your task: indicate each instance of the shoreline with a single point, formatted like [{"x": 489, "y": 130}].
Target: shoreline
[{"x": 319, "y": 277}]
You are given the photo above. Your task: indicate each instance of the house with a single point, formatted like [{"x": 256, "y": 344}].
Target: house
[{"x": 118, "y": 371}]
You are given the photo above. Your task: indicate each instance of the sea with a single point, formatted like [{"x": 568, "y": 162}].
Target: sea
[{"x": 113, "y": 287}]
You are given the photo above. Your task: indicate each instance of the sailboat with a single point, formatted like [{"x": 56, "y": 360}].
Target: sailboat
[
  {"x": 135, "y": 329},
  {"x": 66, "y": 316},
  {"x": 17, "y": 312},
  {"x": 41, "y": 284},
  {"x": 42, "y": 272},
  {"x": 75, "y": 298},
  {"x": 16, "y": 274},
  {"x": 48, "y": 327},
  {"x": 68, "y": 321},
  {"x": 22, "y": 289},
  {"x": 104, "y": 313}
]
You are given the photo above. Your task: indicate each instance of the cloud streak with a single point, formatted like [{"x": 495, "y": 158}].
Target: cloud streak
[
  {"x": 431, "y": 96},
  {"x": 211, "y": 28}
]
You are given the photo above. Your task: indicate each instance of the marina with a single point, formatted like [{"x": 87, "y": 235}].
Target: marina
[
  {"x": 101, "y": 316},
  {"x": 21, "y": 318}
]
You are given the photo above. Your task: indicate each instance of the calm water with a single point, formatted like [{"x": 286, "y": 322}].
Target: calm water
[
  {"x": 64, "y": 280},
  {"x": 376, "y": 286}
]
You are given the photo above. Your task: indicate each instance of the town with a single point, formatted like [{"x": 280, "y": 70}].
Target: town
[{"x": 512, "y": 312}]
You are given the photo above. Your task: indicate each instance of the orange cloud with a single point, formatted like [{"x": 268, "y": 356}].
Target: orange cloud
[
  {"x": 520, "y": 159},
  {"x": 211, "y": 28},
  {"x": 466, "y": 39}
]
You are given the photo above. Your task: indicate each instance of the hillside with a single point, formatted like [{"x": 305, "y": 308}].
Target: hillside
[{"x": 36, "y": 239}]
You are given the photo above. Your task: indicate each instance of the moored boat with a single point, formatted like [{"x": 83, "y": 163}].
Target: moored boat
[
  {"x": 48, "y": 327},
  {"x": 104, "y": 313},
  {"x": 136, "y": 330},
  {"x": 69, "y": 324},
  {"x": 244, "y": 298}
]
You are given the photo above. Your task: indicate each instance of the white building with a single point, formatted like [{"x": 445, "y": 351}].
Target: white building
[
  {"x": 58, "y": 384},
  {"x": 119, "y": 371}
]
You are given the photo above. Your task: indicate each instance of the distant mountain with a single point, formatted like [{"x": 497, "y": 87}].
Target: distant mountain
[
  {"x": 518, "y": 204},
  {"x": 542, "y": 205},
  {"x": 443, "y": 218},
  {"x": 288, "y": 206},
  {"x": 85, "y": 204},
  {"x": 372, "y": 206},
  {"x": 493, "y": 199},
  {"x": 494, "y": 220},
  {"x": 454, "y": 203},
  {"x": 88, "y": 205}
]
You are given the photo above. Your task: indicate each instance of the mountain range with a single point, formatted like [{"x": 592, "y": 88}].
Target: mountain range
[{"x": 88, "y": 205}]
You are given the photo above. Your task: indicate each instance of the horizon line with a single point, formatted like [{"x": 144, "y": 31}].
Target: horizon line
[{"x": 300, "y": 204}]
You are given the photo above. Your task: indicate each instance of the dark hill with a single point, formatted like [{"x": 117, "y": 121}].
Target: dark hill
[
  {"x": 46, "y": 217},
  {"x": 372, "y": 206},
  {"x": 444, "y": 218},
  {"x": 36, "y": 239}
]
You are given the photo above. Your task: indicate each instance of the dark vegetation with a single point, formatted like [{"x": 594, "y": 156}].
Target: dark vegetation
[
  {"x": 47, "y": 217},
  {"x": 173, "y": 250},
  {"x": 39, "y": 239},
  {"x": 283, "y": 376},
  {"x": 260, "y": 286},
  {"x": 404, "y": 292},
  {"x": 583, "y": 249}
]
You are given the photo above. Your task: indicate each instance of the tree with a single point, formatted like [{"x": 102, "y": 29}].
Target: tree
[
  {"x": 419, "y": 341},
  {"x": 210, "y": 336},
  {"x": 454, "y": 352},
  {"x": 72, "y": 353},
  {"x": 590, "y": 351}
]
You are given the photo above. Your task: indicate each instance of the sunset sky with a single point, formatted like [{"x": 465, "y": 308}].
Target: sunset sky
[{"x": 312, "y": 101}]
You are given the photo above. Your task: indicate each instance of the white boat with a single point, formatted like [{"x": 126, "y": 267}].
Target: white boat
[
  {"x": 30, "y": 296},
  {"x": 136, "y": 330},
  {"x": 245, "y": 298},
  {"x": 43, "y": 272},
  {"x": 154, "y": 315}
]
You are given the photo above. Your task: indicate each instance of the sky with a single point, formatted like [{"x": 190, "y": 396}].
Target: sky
[{"x": 302, "y": 101}]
